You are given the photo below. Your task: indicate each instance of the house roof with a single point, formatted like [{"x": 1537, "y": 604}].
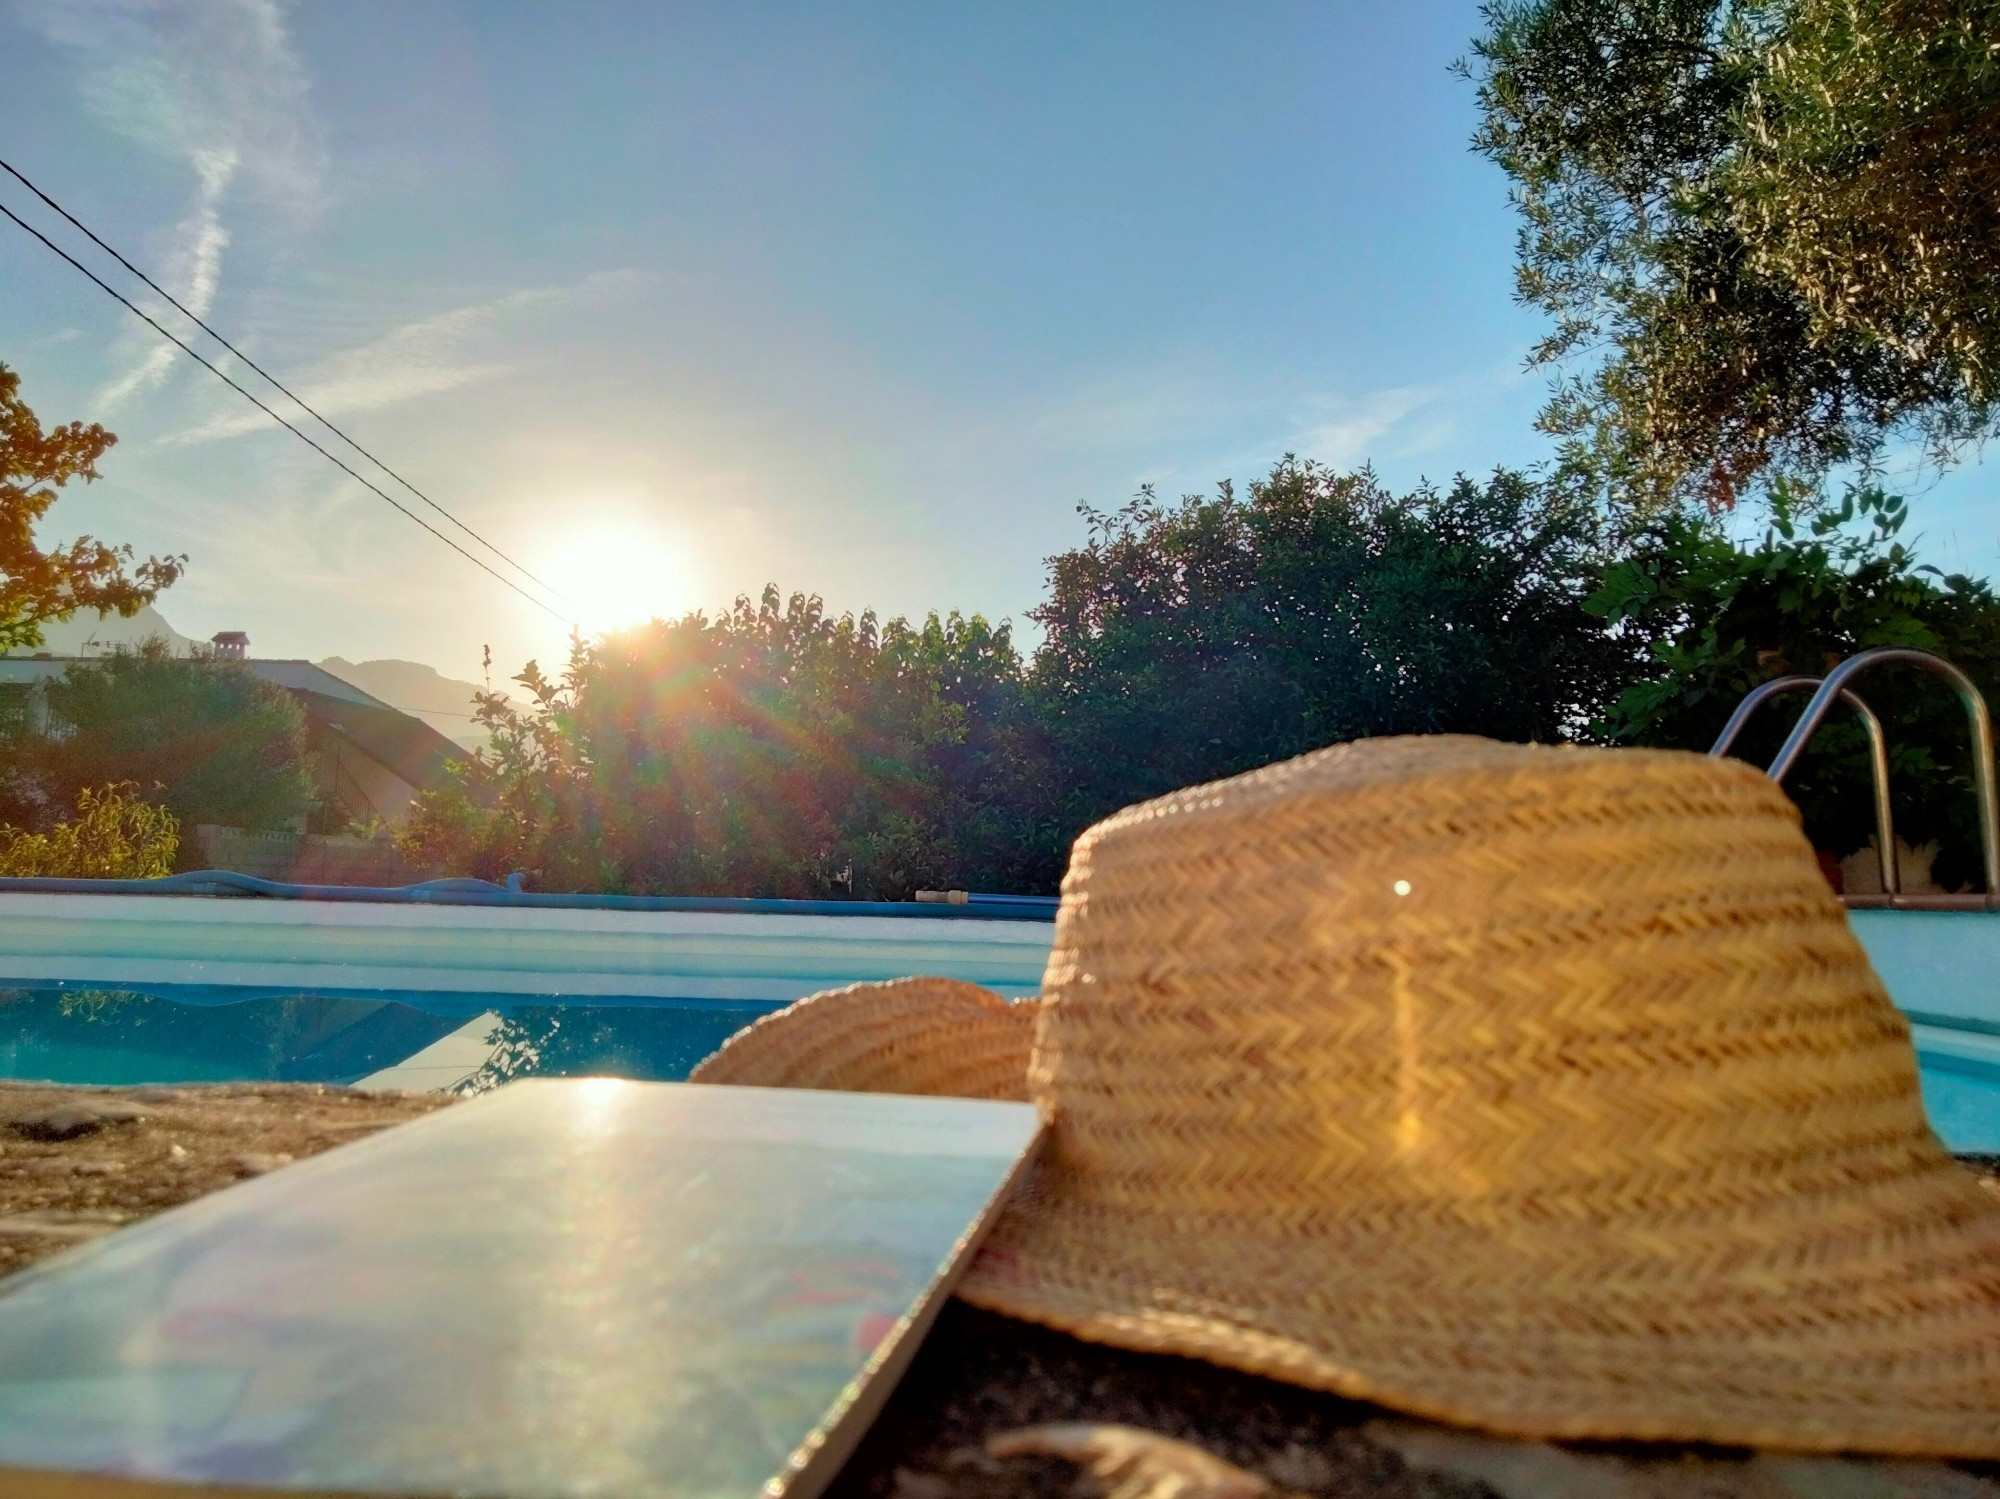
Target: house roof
[
  {"x": 408, "y": 746},
  {"x": 405, "y": 745},
  {"x": 304, "y": 676}
]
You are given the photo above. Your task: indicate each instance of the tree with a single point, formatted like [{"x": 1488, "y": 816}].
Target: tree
[
  {"x": 773, "y": 750},
  {"x": 1777, "y": 220},
  {"x": 1716, "y": 618},
  {"x": 38, "y": 586},
  {"x": 114, "y": 836},
  {"x": 206, "y": 739},
  {"x": 1189, "y": 642},
  {"x": 777, "y": 750}
]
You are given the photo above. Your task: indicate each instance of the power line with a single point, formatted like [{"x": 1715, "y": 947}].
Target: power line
[
  {"x": 188, "y": 313},
  {"x": 221, "y": 375},
  {"x": 191, "y": 316}
]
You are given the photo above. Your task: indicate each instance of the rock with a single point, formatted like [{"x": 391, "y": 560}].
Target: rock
[
  {"x": 71, "y": 1121},
  {"x": 912, "y": 1485},
  {"x": 1302, "y": 1470},
  {"x": 76, "y": 1227},
  {"x": 1133, "y": 1464},
  {"x": 254, "y": 1163}
]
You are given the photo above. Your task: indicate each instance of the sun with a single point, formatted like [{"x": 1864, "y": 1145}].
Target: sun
[{"x": 614, "y": 575}]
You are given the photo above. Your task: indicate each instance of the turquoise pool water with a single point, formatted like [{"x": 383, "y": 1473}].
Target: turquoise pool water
[
  {"x": 126, "y": 1036},
  {"x": 475, "y": 1041},
  {"x": 131, "y": 988},
  {"x": 135, "y": 988}
]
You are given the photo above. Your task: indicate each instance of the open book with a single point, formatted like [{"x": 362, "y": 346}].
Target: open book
[{"x": 568, "y": 1288}]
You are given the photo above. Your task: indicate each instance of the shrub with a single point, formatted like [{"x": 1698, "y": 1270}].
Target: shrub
[{"x": 114, "y": 836}]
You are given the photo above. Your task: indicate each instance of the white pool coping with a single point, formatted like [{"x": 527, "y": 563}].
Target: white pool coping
[{"x": 327, "y": 946}]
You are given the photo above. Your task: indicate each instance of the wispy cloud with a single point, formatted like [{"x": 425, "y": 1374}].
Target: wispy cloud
[
  {"x": 1174, "y": 411},
  {"x": 1345, "y": 433},
  {"x": 195, "y": 79},
  {"x": 212, "y": 84},
  {"x": 443, "y": 352},
  {"x": 1188, "y": 426},
  {"x": 193, "y": 273}
]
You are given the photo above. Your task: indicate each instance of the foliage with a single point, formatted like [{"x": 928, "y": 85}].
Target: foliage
[
  {"x": 1869, "y": 181},
  {"x": 779, "y": 751},
  {"x": 113, "y": 836},
  {"x": 1826, "y": 580},
  {"x": 38, "y": 586},
  {"x": 773, "y": 750},
  {"x": 1775, "y": 219},
  {"x": 218, "y": 743},
  {"x": 1190, "y": 642}
]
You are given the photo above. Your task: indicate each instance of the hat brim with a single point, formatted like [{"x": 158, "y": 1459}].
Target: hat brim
[
  {"x": 1880, "y": 1339},
  {"x": 936, "y": 1036},
  {"x": 1842, "y": 1313}
]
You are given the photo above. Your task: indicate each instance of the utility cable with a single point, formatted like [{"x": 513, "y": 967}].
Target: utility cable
[
  {"x": 221, "y": 375},
  {"x": 186, "y": 312}
]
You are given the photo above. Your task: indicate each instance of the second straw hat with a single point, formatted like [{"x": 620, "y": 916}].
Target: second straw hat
[{"x": 1544, "y": 1090}]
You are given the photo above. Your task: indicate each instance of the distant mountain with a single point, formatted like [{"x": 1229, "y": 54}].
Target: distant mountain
[
  {"x": 445, "y": 703},
  {"x": 93, "y": 635}
]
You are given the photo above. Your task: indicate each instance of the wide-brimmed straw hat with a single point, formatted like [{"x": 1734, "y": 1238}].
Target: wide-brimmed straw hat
[{"x": 1538, "y": 1089}]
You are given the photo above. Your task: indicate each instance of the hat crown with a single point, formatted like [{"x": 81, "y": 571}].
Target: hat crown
[{"x": 1507, "y": 981}]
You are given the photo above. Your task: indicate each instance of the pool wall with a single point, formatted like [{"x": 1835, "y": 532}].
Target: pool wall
[
  {"x": 541, "y": 953},
  {"x": 1939, "y": 967}
]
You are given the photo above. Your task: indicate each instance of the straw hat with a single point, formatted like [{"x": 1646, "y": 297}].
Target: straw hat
[
  {"x": 1543, "y": 1090},
  {"x": 918, "y": 1035}
]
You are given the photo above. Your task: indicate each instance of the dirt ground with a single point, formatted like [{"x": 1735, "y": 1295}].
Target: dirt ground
[{"x": 78, "y": 1162}]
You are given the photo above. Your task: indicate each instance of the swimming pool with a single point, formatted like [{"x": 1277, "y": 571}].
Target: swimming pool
[
  {"x": 130, "y": 1036},
  {"x": 1943, "y": 970},
  {"x": 461, "y": 990},
  {"x": 467, "y": 992}
]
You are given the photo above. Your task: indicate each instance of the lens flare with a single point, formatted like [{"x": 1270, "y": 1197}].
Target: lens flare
[{"x": 617, "y": 575}]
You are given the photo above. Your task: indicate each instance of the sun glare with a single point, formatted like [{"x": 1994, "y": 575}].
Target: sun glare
[{"x": 618, "y": 575}]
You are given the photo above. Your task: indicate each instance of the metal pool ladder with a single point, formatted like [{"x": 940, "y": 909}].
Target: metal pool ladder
[{"x": 1833, "y": 688}]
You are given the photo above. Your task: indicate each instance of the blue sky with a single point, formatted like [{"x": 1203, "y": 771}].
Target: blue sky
[{"x": 673, "y": 300}]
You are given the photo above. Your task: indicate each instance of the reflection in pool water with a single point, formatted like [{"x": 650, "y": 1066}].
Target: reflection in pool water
[
  {"x": 108, "y": 1036},
  {"x": 181, "y": 1035}
]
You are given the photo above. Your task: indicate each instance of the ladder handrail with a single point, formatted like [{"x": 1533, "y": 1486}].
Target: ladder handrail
[
  {"x": 1975, "y": 711},
  {"x": 1878, "y": 760}
]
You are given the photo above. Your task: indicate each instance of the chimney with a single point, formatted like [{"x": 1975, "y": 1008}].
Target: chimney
[{"x": 230, "y": 645}]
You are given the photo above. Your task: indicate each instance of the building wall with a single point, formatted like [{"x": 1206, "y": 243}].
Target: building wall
[
  {"x": 303, "y": 858},
  {"x": 362, "y": 788}
]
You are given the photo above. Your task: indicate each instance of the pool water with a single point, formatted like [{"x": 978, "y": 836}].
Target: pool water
[
  {"x": 470, "y": 1042},
  {"x": 126, "y": 988},
  {"x": 464, "y": 1041},
  {"x": 121, "y": 987}
]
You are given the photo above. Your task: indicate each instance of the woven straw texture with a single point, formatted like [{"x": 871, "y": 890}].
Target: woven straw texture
[
  {"x": 916, "y": 1035},
  {"x": 1605, "y": 1128},
  {"x": 1542, "y": 1090}
]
